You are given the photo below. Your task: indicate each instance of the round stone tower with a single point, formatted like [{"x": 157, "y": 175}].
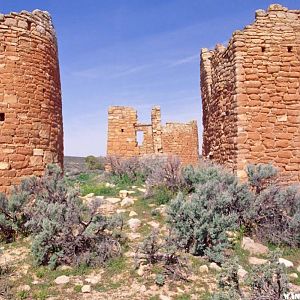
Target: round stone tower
[{"x": 31, "y": 131}]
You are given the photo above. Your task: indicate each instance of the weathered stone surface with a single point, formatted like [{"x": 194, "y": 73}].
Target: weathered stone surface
[
  {"x": 31, "y": 133},
  {"x": 251, "y": 96},
  {"x": 257, "y": 261},
  {"x": 172, "y": 139},
  {"x": 86, "y": 288},
  {"x": 214, "y": 266},
  {"x": 126, "y": 202},
  {"x": 134, "y": 224},
  {"x": 113, "y": 200},
  {"x": 62, "y": 279},
  {"x": 132, "y": 214},
  {"x": 203, "y": 269},
  {"x": 285, "y": 262},
  {"x": 254, "y": 248}
]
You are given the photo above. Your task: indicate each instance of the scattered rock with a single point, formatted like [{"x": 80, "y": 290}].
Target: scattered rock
[
  {"x": 242, "y": 272},
  {"x": 126, "y": 202},
  {"x": 113, "y": 200},
  {"x": 134, "y": 224},
  {"x": 143, "y": 289},
  {"x": 257, "y": 261},
  {"x": 123, "y": 194},
  {"x": 93, "y": 279},
  {"x": 298, "y": 269},
  {"x": 62, "y": 279},
  {"x": 132, "y": 214},
  {"x": 293, "y": 275},
  {"x": 120, "y": 211},
  {"x": 133, "y": 236},
  {"x": 90, "y": 195},
  {"x": 86, "y": 289},
  {"x": 151, "y": 205},
  {"x": 140, "y": 270},
  {"x": 287, "y": 263},
  {"x": 154, "y": 224},
  {"x": 214, "y": 266},
  {"x": 24, "y": 287},
  {"x": 253, "y": 247},
  {"x": 107, "y": 184},
  {"x": 142, "y": 190},
  {"x": 294, "y": 288},
  {"x": 203, "y": 269}
]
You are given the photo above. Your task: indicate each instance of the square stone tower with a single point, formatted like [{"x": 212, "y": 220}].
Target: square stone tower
[{"x": 251, "y": 97}]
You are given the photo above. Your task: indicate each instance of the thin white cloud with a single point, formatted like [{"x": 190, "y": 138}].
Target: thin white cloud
[
  {"x": 110, "y": 71},
  {"x": 185, "y": 60}
]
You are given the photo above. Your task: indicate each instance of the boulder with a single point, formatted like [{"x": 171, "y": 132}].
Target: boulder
[
  {"x": 256, "y": 261},
  {"x": 113, "y": 200},
  {"x": 242, "y": 272},
  {"x": 62, "y": 279},
  {"x": 214, "y": 266},
  {"x": 134, "y": 224},
  {"x": 203, "y": 269},
  {"x": 285, "y": 262},
  {"x": 253, "y": 247},
  {"x": 86, "y": 289},
  {"x": 126, "y": 202},
  {"x": 132, "y": 214},
  {"x": 293, "y": 275}
]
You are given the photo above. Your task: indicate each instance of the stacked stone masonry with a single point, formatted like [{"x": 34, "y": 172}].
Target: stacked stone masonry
[
  {"x": 172, "y": 139},
  {"x": 31, "y": 133},
  {"x": 251, "y": 97}
]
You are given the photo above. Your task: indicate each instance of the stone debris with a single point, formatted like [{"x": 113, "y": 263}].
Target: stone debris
[
  {"x": 24, "y": 287},
  {"x": 113, "y": 200},
  {"x": 293, "y": 275},
  {"x": 154, "y": 224},
  {"x": 254, "y": 248},
  {"x": 86, "y": 288},
  {"x": 62, "y": 279},
  {"x": 133, "y": 236},
  {"x": 203, "y": 269},
  {"x": 285, "y": 262},
  {"x": 215, "y": 267},
  {"x": 132, "y": 214},
  {"x": 257, "y": 261},
  {"x": 242, "y": 272},
  {"x": 134, "y": 224},
  {"x": 126, "y": 202},
  {"x": 124, "y": 193}
]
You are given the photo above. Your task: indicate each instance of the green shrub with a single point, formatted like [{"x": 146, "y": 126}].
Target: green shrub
[
  {"x": 64, "y": 230},
  {"x": 94, "y": 163},
  {"x": 98, "y": 189},
  {"x": 274, "y": 214},
  {"x": 162, "y": 194},
  {"x": 14, "y": 211},
  {"x": 155, "y": 251},
  {"x": 199, "y": 221},
  {"x": 267, "y": 281}
]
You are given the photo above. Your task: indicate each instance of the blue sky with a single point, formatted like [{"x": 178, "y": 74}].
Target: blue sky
[{"x": 138, "y": 53}]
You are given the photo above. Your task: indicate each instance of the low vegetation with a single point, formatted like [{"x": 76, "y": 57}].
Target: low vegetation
[{"x": 156, "y": 225}]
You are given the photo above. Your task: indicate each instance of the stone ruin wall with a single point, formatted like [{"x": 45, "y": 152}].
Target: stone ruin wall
[
  {"x": 31, "y": 132},
  {"x": 172, "y": 139},
  {"x": 250, "y": 93}
]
